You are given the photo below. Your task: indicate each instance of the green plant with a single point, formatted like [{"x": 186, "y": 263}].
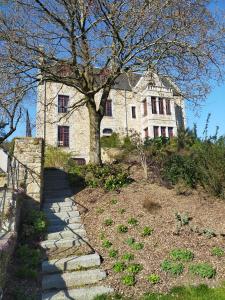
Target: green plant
[
  {"x": 106, "y": 244},
  {"x": 119, "y": 267},
  {"x": 100, "y": 211},
  {"x": 108, "y": 222},
  {"x": 181, "y": 255},
  {"x": 171, "y": 267},
  {"x": 134, "y": 268},
  {"x": 203, "y": 270},
  {"x": 153, "y": 278},
  {"x": 128, "y": 256},
  {"x": 209, "y": 233},
  {"x": 137, "y": 246},
  {"x": 122, "y": 229},
  {"x": 112, "y": 141},
  {"x": 56, "y": 158},
  {"x": 34, "y": 224},
  {"x": 132, "y": 221},
  {"x": 25, "y": 272},
  {"x": 115, "y": 182},
  {"x": 147, "y": 231},
  {"x": 113, "y": 201},
  {"x": 182, "y": 218},
  {"x": 113, "y": 253},
  {"x": 217, "y": 251},
  {"x": 28, "y": 256},
  {"x": 130, "y": 241},
  {"x": 102, "y": 236},
  {"x": 122, "y": 210},
  {"x": 128, "y": 280}
]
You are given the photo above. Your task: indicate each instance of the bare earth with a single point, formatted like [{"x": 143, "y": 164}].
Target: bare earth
[{"x": 206, "y": 213}]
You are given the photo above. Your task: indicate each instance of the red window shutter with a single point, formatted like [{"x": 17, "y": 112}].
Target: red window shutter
[{"x": 154, "y": 109}]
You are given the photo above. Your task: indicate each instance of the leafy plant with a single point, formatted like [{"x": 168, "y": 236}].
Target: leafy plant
[
  {"x": 106, "y": 244},
  {"x": 114, "y": 201},
  {"x": 122, "y": 210},
  {"x": 153, "y": 278},
  {"x": 181, "y": 255},
  {"x": 182, "y": 218},
  {"x": 128, "y": 256},
  {"x": 203, "y": 270},
  {"x": 108, "y": 222},
  {"x": 147, "y": 231},
  {"x": 28, "y": 256},
  {"x": 133, "y": 221},
  {"x": 134, "y": 268},
  {"x": 102, "y": 236},
  {"x": 25, "y": 272},
  {"x": 171, "y": 267},
  {"x": 217, "y": 251},
  {"x": 137, "y": 246},
  {"x": 128, "y": 280},
  {"x": 119, "y": 267},
  {"x": 130, "y": 241},
  {"x": 99, "y": 211},
  {"x": 209, "y": 233},
  {"x": 113, "y": 253},
  {"x": 34, "y": 225},
  {"x": 122, "y": 229}
]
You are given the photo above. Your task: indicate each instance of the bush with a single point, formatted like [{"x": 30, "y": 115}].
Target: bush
[
  {"x": 171, "y": 267},
  {"x": 203, "y": 270},
  {"x": 181, "y": 255},
  {"x": 34, "y": 225},
  {"x": 28, "y": 256},
  {"x": 112, "y": 141},
  {"x": 128, "y": 256},
  {"x": 56, "y": 158},
  {"x": 134, "y": 268},
  {"x": 153, "y": 278},
  {"x": 113, "y": 253},
  {"x": 217, "y": 251},
  {"x": 119, "y": 267},
  {"x": 128, "y": 280}
]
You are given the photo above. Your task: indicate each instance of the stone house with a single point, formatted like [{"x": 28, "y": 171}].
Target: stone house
[{"x": 151, "y": 106}]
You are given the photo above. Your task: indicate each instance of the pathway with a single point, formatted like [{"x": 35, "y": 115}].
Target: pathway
[{"x": 67, "y": 277}]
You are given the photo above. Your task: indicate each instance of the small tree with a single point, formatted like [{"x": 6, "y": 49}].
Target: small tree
[{"x": 65, "y": 41}]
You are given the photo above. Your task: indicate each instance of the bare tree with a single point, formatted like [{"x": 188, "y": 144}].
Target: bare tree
[{"x": 88, "y": 44}]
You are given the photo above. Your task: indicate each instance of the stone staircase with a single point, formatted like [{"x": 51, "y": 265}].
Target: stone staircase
[{"x": 75, "y": 276}]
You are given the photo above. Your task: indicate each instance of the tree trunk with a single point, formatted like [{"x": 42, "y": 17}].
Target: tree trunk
[{"x": 95, "y": 122}]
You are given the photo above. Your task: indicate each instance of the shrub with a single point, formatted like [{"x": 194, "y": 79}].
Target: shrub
[
  {"x": 203, "y": 270},
  {"x": 181, "y": 255},
  {"x": 115, "y": 182},
  {"x": 153, "y": 278},
  {"x": 119, "y": 267},
  {"x": 112, "y": 141},
  {"x": 108, "y": 222},
  {"x": 134, "y": 268},
  {"x": 113, "y": 253},
  {"x": 34, "y": 225},
  {"x": 147, "y": 231},
  {"x": 122, "y": 229},
  {"x": 217, "y": 251},
  {"x": 106, "y": 244},
  {"x": 171, "y": 267},
  {"x": 128, "y": 256},
  {"x": 128, "y": 280},
  {"x": 56, "y": 158},
  {"x": 28, "y": 256},
  {"x": 25, "y": 272},
  {"x": 132, "y": 221}
]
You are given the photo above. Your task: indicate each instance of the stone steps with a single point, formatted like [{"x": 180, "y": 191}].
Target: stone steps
[
  {"x": 69, "y": 220},
  {"x": 56, "y": 199},
  {"x": 71, "y": 263},
  {"x": 64, "y": 227},
  {"x": 88, "y": 293},
  {"x": 62, "y": 215},
  {"x": 66, "y": 234},
  {"x": 56, "y": 205},
  {"x": 72, "y": 279},
  {"x": 63, "y": 242},
  {"x": 60, "y": 209}
]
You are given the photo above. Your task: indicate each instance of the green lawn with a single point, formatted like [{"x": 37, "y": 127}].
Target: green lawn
[{"x": 201, "y": 292}]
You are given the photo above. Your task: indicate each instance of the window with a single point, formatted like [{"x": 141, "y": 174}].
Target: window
[
  {"x": 156, "y": 131},
  {"x": 108, "y": 108},
  {"x": 154, "y": 108},
  {"x": 170, "y": 132},
  {"x": 146, "y": 132},
  {"x": 63, "y": 136},
  {"x": 133, "y": 112},
  {"x": 161, "y": 108},
  {"x": 163, "y": 131},
  {"x": 145, "y": 108},
  {"x": 168, "y": 107},
  {"x": 107, "y": 131},
  {"x": 63, "y": 103}
]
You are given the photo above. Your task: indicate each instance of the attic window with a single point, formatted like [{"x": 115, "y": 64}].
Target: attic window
[{"x": 107, "y": 131}]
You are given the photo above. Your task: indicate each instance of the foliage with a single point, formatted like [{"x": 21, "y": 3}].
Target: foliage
[
  {"x": 217, "y": 251},
  {"x": 112, "y": 141},
  {"x": 132, "y": 221},
  {"x": 122, "y": 210},
  {"x": 181, "y": 255},
  {"x": 55, "y": 157},
  {"x": 203, "y": 270},
  {"x": 28, "y": 256},
  {"x": 128, "y": 256},
  {"x": 153, "y": 278},
  {"x": 113, "y": 253},
  {"x": 114, "y": 201},
  {"x": 108, "y": 222},
  {"x": 182, "y": 218},
  {"x": 25, "y": 272},
  {"x": 147, "y": 231},
  {"x": 209, "y": 233},
  {"x": 122, "y": 228},
  {"x": 106, "y": 244},
  {"x": 134, "y": 268},
  {"x": 171, "y": 267},
  {"x": 34, "y": 224},
  {"x": 130, "y": 241},
  {"x": 137, "y": 246},
  {"x": 119, "y": 267},
  {"x": 128, "y": 280}
]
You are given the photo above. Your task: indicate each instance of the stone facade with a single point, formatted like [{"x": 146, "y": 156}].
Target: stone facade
[
  {"x": 30, "y": 153},
  {"x": 124, "y": 99}
]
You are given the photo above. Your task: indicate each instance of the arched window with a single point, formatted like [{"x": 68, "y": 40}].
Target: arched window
[{"x": 107, "y": 131}]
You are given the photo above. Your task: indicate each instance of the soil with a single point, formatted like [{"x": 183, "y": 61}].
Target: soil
[{"x": 155, "y": 206}]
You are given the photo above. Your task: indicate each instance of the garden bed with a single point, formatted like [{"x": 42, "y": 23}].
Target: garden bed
[{"x": 160, "y": 221}]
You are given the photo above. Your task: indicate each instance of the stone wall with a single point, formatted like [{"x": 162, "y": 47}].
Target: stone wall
[{"x": 30, "y": 153}]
